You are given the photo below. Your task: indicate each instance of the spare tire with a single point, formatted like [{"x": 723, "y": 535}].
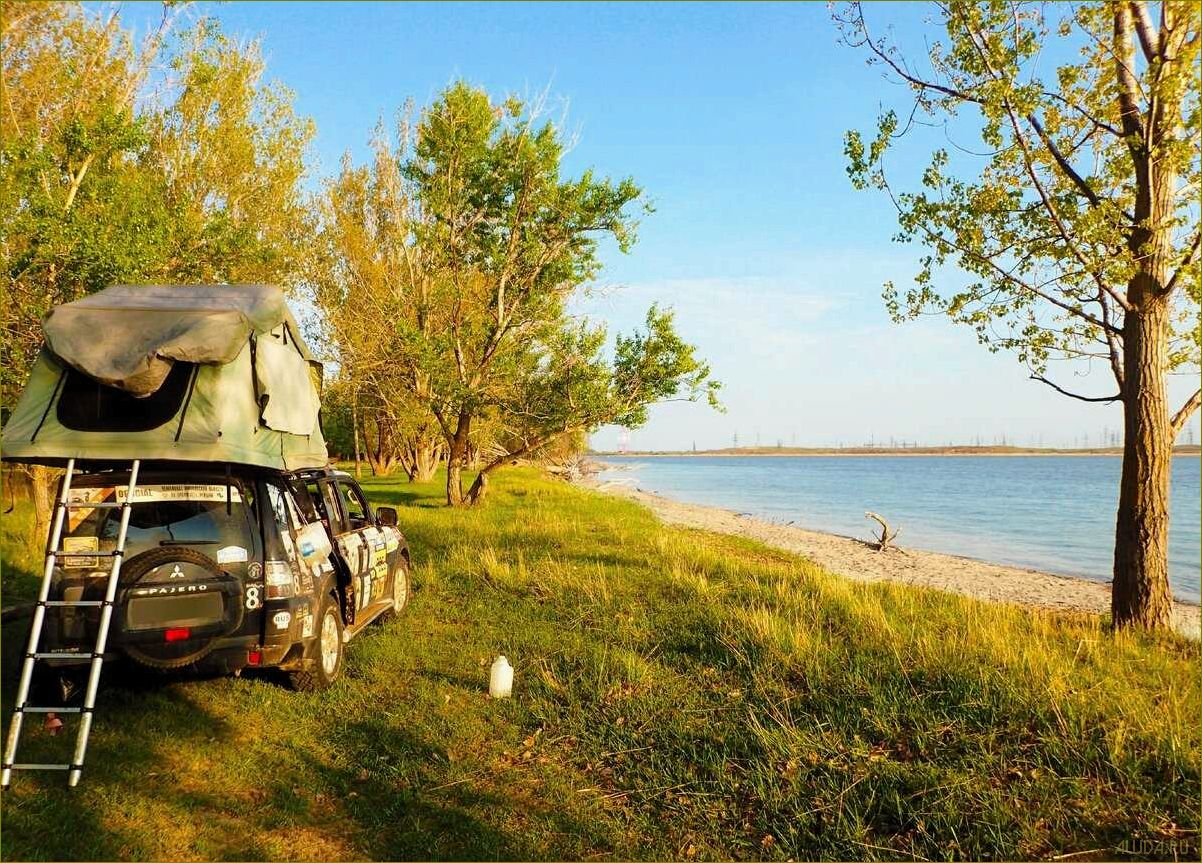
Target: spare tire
[{"x": 159, "y": 582}]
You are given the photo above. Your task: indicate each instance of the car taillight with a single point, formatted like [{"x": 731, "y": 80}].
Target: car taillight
[
  {"x": 280, "y": 579},
  {"x": 181, "y": 633},
  {"x": 254, "y": 657}
]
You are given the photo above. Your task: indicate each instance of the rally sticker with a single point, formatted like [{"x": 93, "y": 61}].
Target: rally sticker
[
  {"x": 156, "y": 493},
  {"x": 231, "y": 554},
  {"x": 80, "y": 543}
]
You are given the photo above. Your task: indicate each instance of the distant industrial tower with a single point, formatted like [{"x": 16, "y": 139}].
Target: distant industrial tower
[{"x": 624, "y": 441}]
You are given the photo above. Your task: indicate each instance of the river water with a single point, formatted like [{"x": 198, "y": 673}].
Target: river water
[{"x": 1052, "y": 513}]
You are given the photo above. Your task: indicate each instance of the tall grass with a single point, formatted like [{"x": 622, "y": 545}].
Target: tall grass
[{"x": 678, "y": 695}]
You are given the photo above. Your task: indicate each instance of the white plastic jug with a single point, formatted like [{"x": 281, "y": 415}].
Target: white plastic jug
[{"x": 500, "y": 678}]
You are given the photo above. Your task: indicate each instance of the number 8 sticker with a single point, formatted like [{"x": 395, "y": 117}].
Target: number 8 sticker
[{"x": 252, "y": 597}]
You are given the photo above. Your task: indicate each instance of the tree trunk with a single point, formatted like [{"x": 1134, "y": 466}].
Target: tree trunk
[
  {"x": 1140, "y": 593},
  {"x": 479, "y": 488},
  {"x": 41, "y": 479},
  {"x": 355, "y": 435},
  {"x": 421, "y": 459},
  {"x": 382, "y": 464},
  {"x": 456, "y": 452}
]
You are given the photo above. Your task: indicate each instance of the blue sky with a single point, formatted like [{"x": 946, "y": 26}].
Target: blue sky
[{"x": 732, "y": 119}]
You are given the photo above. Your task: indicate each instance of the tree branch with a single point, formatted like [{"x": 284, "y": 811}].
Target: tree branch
[
  {"x": 1116, "y": 362},
  {"x": 1008, "y": 276},
  {"x": 1094, "y": 121},
  {"x": 1128, "y": 90},
  {"x": 1186, "y": 264},
  {"x": 1029, "y": 163},
  {"x": 1149, "y": 41},
  {"x": 1114, "y": 398},
  {"x": 1062, "y": 161},
  {"x": 1177, "y": 423},
  {"x": 915, "y": 81}
]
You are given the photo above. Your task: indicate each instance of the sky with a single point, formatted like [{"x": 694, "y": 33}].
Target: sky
[{"x": 731, "y": 118}]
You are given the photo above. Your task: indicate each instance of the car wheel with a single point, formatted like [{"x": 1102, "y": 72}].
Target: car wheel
[
  {"x": 328, "y": 651},
  {"x": 400, "y": 589}
]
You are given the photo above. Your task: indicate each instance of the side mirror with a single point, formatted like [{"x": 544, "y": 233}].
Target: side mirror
[{"x": 386, "y": 516}]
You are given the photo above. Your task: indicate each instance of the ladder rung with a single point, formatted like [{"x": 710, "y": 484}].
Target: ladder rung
[
  {"x": 28, "y": 709},
  {"x": 83, "y": 504},
  {"x": 74, "y": 603},
  {"x": 75, "y": 552},
  {"x": 80, "y": 657},
  {"x": 40, "y": 766}
]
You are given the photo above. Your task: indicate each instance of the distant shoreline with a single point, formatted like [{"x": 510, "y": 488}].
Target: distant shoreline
[{"x": 779, "y": 452}]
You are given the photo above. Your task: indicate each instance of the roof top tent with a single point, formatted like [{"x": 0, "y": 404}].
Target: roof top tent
[{"x": 191, "y": 373}]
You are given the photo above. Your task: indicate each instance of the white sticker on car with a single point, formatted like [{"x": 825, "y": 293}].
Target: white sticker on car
[
  {"x": 231, "y": 554},
  {"x": 307, "y": 626}
]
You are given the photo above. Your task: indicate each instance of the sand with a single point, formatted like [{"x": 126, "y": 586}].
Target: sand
[{"x": 856, "y": 559}]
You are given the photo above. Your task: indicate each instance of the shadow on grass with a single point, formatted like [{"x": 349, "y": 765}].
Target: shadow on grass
[
  {"x": 46, "y": 820},
  {"x": 414, "y": 804}
]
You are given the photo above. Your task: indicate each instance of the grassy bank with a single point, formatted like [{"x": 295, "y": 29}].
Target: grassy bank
[{"x": 678, "y": 695}]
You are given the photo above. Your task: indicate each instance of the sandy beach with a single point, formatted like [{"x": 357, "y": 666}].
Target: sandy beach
[{"x": 853, "y": 558}]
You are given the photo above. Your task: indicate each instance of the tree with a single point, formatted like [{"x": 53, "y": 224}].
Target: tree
[
  {"x": 111, "y": 174},
  {"x": 1078, "y": 232},
  {"x": 229, "y": 152},
  {"x": 75, "y": 213},
  {"x": 571, "y": 388},
  {"x": 367, "y": 278},
  {"x": 505, "y": 240}
]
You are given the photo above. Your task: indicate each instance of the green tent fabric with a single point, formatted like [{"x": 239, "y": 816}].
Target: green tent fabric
[{"x": 107, "y": 386}]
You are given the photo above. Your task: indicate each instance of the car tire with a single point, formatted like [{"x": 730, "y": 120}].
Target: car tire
[
  {"x": 402, "y": 586},
  {"x": 329, "y": 651}
]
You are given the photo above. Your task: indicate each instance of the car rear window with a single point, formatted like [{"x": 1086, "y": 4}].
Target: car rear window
[{"x": 161, "y": 515}]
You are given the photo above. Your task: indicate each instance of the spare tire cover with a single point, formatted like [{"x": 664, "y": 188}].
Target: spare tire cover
[{"x": 174, "y": 587}]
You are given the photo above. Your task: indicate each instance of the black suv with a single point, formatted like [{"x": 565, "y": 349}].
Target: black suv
[{"x": 231, "y": 569}]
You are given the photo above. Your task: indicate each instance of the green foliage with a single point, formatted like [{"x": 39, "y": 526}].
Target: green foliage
[
  {"x": 655, "y": 366},
  {"x": 445, "y": 269},
  {"x": 100, "y": 183},
  {"x": 572, "y": 386},
  {"x": 678, "y": 695},
  {"x": 1054, "y": 221},
  {"x": 505, "y": 240}
]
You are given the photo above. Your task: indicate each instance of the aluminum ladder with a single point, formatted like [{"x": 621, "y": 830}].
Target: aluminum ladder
[{"x": 96, "y": 658}]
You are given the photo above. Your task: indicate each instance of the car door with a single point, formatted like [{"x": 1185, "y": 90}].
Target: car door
[
  {"x": 366, "y": 543},
  {"x": 327, "y": 502}
]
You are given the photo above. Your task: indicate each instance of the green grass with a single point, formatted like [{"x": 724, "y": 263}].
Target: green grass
[
  {"x": 678, "y": 695},
  {"x": 20, "y": 555}
]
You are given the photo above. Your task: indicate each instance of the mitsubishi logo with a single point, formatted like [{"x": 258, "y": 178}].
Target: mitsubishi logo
[{"x": 177, "y": 572}]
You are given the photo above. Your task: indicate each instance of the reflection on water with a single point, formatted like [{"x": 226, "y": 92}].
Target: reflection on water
[{"x": 1053, "y": 513}]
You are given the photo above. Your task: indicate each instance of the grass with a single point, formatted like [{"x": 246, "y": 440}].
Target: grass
[{"x": 678, "y": 695}]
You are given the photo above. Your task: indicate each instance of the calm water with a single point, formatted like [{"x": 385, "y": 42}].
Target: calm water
[{"x": 1054, "y": 513}]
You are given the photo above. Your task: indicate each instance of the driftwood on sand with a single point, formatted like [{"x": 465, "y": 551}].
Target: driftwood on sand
[{"x": 884, "y": 542}]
